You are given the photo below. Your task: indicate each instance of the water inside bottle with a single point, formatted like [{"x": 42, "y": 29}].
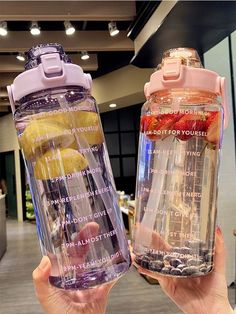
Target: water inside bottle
[
  {"x": 176, "y": 192},
  {"x": 79, "y": 223}
]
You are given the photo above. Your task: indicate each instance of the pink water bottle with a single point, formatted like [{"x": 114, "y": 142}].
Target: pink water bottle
[
  {"x": 79, "y": 222},
  {"x": 179, "y": 152}
]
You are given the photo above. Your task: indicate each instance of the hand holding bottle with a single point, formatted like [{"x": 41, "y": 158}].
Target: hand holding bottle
[
  {"x": 206, "y": 294},
  {"x": 54, "y": 300}
]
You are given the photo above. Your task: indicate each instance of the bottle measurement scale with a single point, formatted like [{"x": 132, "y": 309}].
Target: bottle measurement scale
[{"x": 187, "y": 177}]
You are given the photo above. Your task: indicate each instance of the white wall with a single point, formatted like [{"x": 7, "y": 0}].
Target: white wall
[
  {"x": 217, "y": 59},
  {"x": 8, "y": 142}
]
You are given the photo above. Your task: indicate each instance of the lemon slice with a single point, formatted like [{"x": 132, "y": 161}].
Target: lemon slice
[
  {"x": 58, "y": 117},
  {"x": 86, "y": 123},
  {"x": 88, "y": 126},
  {"x": 40, "y": 135},
  {"x": 59, "y": 162}
]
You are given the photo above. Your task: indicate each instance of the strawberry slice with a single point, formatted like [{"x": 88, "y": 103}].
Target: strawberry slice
[
  {"x": 188, "y": 124},
  {"x": 166, "y": 122},
  {"x": 214, "y": 127},
  {"x": 148, "y": 124},
  {"x": 156, "y": 127}
]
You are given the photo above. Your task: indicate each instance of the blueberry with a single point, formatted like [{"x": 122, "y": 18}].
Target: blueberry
[
  {"x": 208, "y": 257},
  {"x": 144, "y": 261},
  {"x": 167, "y": 258},
  {"x": 176, "y": 272},
  {"x": 144, "y": 264},
  {"x": 203, "y": 251},
  {"x": 181, "y": 266},
  {"x": 152, "y": 256},
  {"x": 175, "y": 262},
  {"x": 194, "y": 262},
  {"x": 203, "y": 269},
  {"x": 165, "y": 270},
  {"x": 156, "y": 265},
  {"x": 138, "y": 259},
  {"x": 188, "y": 271},
  {"x": 158, "y": 256}
]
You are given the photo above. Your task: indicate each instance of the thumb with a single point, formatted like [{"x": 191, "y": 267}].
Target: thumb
[
  {"x": 220, "y": 252},
  {"x": 40, "y": 278}
]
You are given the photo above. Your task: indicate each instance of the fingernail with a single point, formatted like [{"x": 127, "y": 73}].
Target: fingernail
[
  {"x": 218, "y": 231},
  {"x": 44, "y": 263}
]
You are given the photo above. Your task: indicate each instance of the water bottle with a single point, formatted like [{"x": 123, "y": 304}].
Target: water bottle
[
  {"x": 79, "y": 223},
  {"x": 176, "y": 191}
]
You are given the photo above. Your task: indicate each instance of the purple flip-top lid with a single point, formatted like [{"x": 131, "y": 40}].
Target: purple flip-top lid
[{"x": 47, "y": 67}]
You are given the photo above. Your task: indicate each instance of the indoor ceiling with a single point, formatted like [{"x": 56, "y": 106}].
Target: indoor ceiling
[
  {"x": 147, "y": 28},
  {"x": 89, "y": 18}
]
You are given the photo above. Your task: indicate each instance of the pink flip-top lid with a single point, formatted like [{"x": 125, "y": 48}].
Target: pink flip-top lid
[{"x": 183, "y": 69}]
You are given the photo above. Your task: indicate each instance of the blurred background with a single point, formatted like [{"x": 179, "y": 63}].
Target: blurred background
[{"x": 120, "y": 43}]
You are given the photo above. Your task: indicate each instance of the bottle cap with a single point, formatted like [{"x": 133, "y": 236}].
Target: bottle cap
[
  {"x": 47, "y": 67},
  {"x": 34, "y": 54},
  {"x": 182, "y": 68}
]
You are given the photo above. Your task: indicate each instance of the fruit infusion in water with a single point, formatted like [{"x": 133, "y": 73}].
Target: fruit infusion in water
[
  {"x": 176, "y": 191},
  {"x": 78, "y": 219}
]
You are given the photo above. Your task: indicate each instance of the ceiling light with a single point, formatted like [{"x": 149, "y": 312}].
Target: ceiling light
[
  {"x": 113, "y": 30},
  {"x": 20, "y": 57},
  {"x": 3, "y": 28},
  {"x": 112, "y": 105},
  {"x": 69, "y": 28},
  {"x": 84, "y": 55},
  {"x": 35, "y": 29}
]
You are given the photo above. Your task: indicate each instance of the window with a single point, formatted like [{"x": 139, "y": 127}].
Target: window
[{"x": 121, "y": 129}]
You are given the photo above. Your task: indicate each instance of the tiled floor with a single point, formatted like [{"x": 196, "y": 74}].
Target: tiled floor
[{"x": 131, "y": 295}]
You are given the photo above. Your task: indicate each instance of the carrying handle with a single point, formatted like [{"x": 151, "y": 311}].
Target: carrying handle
[
  {"x": 10, "y": 95},
  {"x": 224, "y": 101}
]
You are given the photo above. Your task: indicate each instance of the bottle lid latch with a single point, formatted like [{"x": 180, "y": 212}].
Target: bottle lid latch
[
  {"x": 171, "y": 69},
  {"x": 52, "y": 65}
]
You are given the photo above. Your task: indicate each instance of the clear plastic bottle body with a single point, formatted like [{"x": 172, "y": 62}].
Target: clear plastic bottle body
[
  {"x": 79, "y": 222},
  {"x": 176, "y": 192}
]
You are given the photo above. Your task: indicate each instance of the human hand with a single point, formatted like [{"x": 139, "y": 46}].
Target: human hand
[
  {"x": 201, "y": 295},
  {"x": 54, "y": 300}
]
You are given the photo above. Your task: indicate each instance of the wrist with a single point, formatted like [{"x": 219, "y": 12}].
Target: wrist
[
  {"x": 217, "y": 308},
  {"x": 224, "y": 308}
]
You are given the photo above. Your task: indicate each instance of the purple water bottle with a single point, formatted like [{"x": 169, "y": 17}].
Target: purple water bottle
[{"x": 79, "y": 223}]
